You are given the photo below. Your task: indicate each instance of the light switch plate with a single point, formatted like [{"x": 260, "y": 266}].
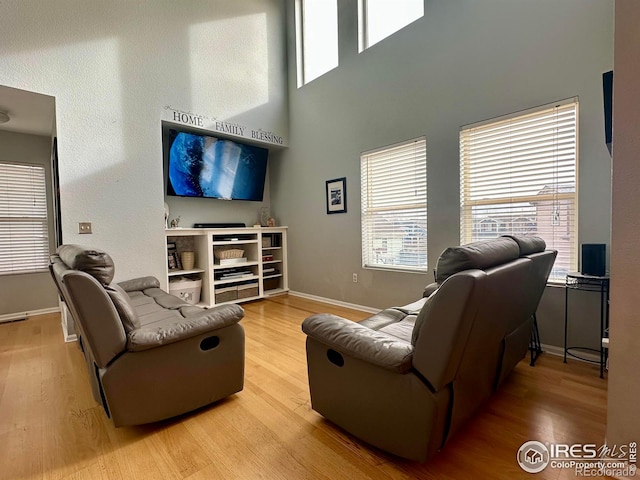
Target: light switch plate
[{"x": 84, "y": 227}]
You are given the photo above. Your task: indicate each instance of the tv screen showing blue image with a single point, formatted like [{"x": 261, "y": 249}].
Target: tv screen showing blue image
[{"x": 210, "y": 167}]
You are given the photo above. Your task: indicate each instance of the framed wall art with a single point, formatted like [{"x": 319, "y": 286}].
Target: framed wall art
[{"x": 337, "y": 195}]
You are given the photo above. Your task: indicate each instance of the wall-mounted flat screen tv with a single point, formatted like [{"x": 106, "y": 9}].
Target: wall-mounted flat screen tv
[{"x": 205, "y": 166}]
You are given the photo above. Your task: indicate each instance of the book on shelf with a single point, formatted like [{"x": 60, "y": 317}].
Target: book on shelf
[
  {"x": 233, "y": 273},
  {"x": 267, "y": 258},
  {"x": 266, "y": 271},
  {"x": 245, "y": 276},
  {"x": 173, "y": 259},
  {"x": 236, "y": 274}
]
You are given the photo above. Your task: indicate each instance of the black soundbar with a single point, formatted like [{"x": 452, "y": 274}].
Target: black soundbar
[{"x": 219, "y": 225}]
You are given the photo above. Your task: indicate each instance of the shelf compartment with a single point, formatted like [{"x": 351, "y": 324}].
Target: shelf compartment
[
  {"x": 173, "y": 273},
  {"x": 217, "y": 266},
  {"x": 235, "y": 280},
  {"x": 217, "y": 243},
  {"x": 272, "y": 282}
]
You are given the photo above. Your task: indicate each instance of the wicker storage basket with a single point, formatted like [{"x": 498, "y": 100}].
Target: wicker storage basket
[
  {"x": 250, "y": 290},
  {"x": 227, "y": 294},
  {"x": 228, "y": 253}
]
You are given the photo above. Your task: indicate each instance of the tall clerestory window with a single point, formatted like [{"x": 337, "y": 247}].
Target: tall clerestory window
[
  {"x": 380, "y": 18},
  {"x": 316, "y": 38}
]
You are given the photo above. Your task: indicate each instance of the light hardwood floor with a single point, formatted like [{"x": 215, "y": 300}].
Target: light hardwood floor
[{"x": 51, "y": 428}]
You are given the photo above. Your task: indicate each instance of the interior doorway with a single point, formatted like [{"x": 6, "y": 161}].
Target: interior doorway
[
  {"x": 31, "y": 113},
  {"x": 28, "y": 141}
]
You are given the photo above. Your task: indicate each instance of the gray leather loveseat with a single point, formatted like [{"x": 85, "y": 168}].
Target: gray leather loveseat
[
  {"x": 149, "y": 355},
  {"x": 406, "y": 379}
]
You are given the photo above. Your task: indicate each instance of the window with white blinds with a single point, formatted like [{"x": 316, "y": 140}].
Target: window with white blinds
[
  {"x": 518, "y": 175},
  {"x": 24, "y": 240},
  {"x": 394, "y": 206}
]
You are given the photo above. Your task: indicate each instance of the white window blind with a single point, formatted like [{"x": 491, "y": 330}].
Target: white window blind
[
  {"x": 317, "y": 38},
  {"x": 518, "y": 176},
  {"x": 394, "y": 206},
  {"x": 24, "y": 242}
]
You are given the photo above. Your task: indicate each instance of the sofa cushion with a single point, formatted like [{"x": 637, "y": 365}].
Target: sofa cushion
[
  {"x": 481, "y": 255},
  {"x": 383, "y": 318},
  {"x": 413, "y": 308},
  {"x": 139, "y": 284},
  {"x": 92, "y": 261},
  {"x": 139, "y": 299},
  {"x": 164, "y": 299},
  {"x": 174, "y": 328},
  {"x": 190, "y": 311},
  {"x": 159, "y": 315},
  {"x": 402, "y": 329},
  {"x": 126, "y": 310},
  {"x": 528, "y": 244},
  {"x": 420, "y": 319}
]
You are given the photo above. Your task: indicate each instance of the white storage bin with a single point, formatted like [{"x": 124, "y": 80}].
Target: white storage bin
[{"x": 185, "y": 288}]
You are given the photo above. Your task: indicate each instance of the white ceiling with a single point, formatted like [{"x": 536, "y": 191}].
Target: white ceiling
[{"x": 30, "y": 112}]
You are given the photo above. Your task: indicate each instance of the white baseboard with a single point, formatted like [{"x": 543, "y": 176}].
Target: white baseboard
[
  {"x": 331, "y": 301},
  {"x": 12, "y": 317}
]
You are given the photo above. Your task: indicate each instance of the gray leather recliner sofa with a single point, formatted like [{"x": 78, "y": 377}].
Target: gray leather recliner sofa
[
  {"x": 406, "y": 379},
  {"x": 149, "y": 355}
]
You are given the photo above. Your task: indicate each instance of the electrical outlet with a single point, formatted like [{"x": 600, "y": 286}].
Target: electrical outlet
[
  {"x": 84, "y": 227},
  {"x": 355, "y": 278}
]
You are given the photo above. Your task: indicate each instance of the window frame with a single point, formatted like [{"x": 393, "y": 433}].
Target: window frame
[
  {"x": 302, "y": 74},
  {"x": 564, "y": 210},
  {"x": 363, "y": 26},
  {"x": 413, "y": 238},
  {"x": 38, "y": 260}
]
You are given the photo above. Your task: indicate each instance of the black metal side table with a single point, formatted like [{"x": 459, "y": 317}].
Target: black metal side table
[{"x": 578, "y": 281}]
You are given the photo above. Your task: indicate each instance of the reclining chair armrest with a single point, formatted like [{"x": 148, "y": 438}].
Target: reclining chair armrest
[
  {"x": 429, "y": 289},
  {"x": 175, "y": 330},
  {"x": 141, "y": 283},
  {"x": 360, "y": 342}
]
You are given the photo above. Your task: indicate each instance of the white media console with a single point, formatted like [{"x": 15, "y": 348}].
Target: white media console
[{"x": 261, "y": 270}]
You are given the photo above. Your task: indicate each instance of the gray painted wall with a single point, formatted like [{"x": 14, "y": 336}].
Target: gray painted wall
[
  {"x": 463, "y": 62},
  {"x": 34, "y": 291}
]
